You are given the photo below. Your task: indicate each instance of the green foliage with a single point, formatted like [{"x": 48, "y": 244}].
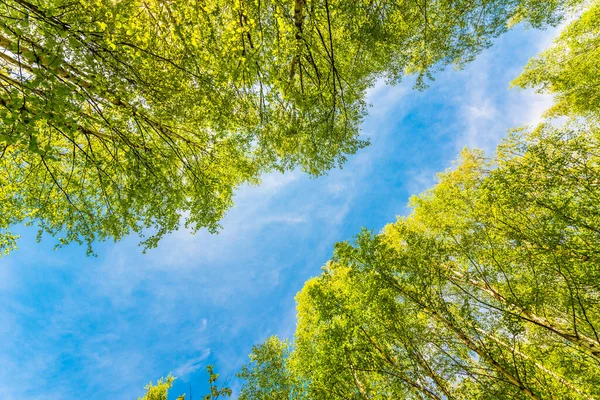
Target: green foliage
[
  {"x": 215, "y": 391},
  {"x": 569, "y": 69},
  {"x": 267, "y": 376},
  {"x": 539, "y": 13},
  {"x": 160, "y": 391},
  {"x": 488, "y": 290},
  {"x": 121, "y": 117}
]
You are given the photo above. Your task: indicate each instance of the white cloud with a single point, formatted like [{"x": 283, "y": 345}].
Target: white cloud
[
  {"x": 387, "y": 98},
  {"x": 276, "y": 181},
  {"x": 489, "y": 108},
  {"x": 531, "y": 107},
  {"x": 191, "y": 365},
  {"x": 285, "y": 219},
  {"x": 420, "y": 180}
]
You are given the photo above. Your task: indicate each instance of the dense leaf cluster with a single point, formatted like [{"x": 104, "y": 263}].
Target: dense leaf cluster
[{"x": 129, "y": 116}]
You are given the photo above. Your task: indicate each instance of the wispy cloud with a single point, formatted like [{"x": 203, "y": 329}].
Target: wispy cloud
[
  {"x": 192, "y": 365},
  {"x": 488, "y": 108}
]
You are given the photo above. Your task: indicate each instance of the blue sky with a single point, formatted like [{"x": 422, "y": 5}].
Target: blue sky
[{"x": 74, "y": 327}]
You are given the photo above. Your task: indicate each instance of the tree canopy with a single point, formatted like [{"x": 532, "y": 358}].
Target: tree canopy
[
  {"x": 133, "y": 115},
  {"x": 489, "y": 289},
  {"x": 569, "y": 68}
]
